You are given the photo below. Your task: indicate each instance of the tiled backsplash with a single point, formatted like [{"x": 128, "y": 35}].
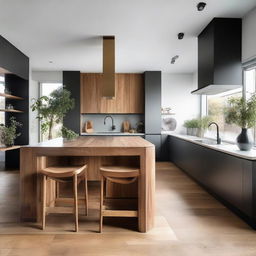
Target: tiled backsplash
[{"x": 98, "y": 121}]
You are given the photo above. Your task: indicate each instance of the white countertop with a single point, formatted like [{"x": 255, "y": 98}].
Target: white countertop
[
  {"x": 231, "y": 149},
  {"x": 111, "y": 134}
]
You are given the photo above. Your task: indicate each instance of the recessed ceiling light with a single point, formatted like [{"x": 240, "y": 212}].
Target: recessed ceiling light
[
  {"x": 180, "y": 35},
  {"x": 200, "y": 6},
  {"x": 174, "y": 58}
]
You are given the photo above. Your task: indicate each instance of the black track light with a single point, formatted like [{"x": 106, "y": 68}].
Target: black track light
[
  {"x": 174, "y": 59},
  {"x": 200, "y": 6},
  {"x": 180, "y": 36}
]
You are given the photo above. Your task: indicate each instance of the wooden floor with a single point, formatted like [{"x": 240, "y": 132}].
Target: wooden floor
[{"x": 189, "y": 222}]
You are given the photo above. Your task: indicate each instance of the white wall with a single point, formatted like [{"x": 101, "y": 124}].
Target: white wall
[
  {"x": 176, "y": 93},
  {"x": 47, "y": 76},
  {"x": 249, "y": 36}
]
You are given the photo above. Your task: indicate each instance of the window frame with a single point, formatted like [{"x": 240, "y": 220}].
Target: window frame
[
  {"x": 204, "y": 112},
  {"x": 40, "y": 95},
  {"x": 247, "y": 67}
]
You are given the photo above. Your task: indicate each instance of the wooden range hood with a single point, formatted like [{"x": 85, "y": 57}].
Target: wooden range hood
[{"x": 108, "y": 89}]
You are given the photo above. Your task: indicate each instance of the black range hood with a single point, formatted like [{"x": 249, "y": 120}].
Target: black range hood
[{"x": 219, "y": 57}]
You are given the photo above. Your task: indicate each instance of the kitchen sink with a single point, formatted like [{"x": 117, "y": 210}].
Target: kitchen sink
[
  {"x": 208, "y": 142},
  {"x": 110, "y": 132}
]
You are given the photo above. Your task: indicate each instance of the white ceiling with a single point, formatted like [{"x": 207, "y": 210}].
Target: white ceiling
[{"x": 68, "y": 32}]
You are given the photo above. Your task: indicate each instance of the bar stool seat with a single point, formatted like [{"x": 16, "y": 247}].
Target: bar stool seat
[
  {"x": 119, "y": 171},
  {"x": 120, "y": 175},
  {"x": 63, "y": 171},
  {"x": 73, "y": 174}
]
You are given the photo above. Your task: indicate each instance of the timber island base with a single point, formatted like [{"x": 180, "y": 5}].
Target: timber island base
[{"x": 93, "y": 151}]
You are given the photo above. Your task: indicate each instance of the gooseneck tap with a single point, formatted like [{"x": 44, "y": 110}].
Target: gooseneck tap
[
  {"x": 218, "y": 132},
  {"x": 113, "y": 127}
]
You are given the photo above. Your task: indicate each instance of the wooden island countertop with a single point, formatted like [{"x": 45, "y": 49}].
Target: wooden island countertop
[{"x": 94, "y": 151}]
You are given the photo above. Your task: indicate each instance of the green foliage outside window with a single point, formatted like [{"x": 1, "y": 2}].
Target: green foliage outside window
[{"x": 51, "y": 109}]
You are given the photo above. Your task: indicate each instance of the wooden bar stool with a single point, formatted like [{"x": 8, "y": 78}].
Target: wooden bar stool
[
  {"x": 120, "y": 175},
  {"x": 73, "y": 174}
]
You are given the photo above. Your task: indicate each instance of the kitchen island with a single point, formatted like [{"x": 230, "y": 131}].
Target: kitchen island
[{"x": 94, "y": 151}]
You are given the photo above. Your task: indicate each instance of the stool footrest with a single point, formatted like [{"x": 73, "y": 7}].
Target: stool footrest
[
  {"x": 66, "y": 201},
  {"x": 59, "y": 210},
  {"x": 119, "y": 213}
]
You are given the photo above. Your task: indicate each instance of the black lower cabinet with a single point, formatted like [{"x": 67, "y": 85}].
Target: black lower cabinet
[
  {"x": 231, "y": 179},
  {"x": 161, "y": 145},
  {"x": 156, "y": 140},
  {"x": 164, "y": 148}
]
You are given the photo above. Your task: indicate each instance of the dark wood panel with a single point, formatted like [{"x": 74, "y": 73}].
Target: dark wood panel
[
  {"x": 153, "y": 102},
  {"x": 13, "y": 60},
  {"x": 71, "y": 81},
  {"x": 219, "y": 53},
  {"x": 19, "y": 87}
]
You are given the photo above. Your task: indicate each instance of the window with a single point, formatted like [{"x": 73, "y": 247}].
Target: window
[
  {"x": 45, "y": 90},
  {"x": 249, "y": 81},
  {"x": 250, "y": 88},
  {"x": 215, "y": 107}
]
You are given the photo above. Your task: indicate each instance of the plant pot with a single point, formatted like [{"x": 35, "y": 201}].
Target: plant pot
[
  {"x": 189, "y": 131},
  {"x": 194, "y": 131},
  {"x": 244, "y": 140},
  {"x": 200, "y": 132}
]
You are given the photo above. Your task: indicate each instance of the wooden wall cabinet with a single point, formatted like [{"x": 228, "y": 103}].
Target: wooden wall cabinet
[{"x": 129, "y": 94}]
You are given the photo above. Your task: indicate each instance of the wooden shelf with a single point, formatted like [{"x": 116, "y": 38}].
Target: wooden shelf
[
  {"x": 9, "y": 96},
  {"x": 9, "y": 148},
  {"x": 11, "y": 110}
]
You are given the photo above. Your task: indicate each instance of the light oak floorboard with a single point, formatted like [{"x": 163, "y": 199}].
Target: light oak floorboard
[{"x": 189, "y": 222}]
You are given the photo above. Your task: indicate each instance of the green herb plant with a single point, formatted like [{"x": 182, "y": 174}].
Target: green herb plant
[
  {"x": 193, "y": 123},
  {"x": 203, "y": 122},
  {"x": 8, "y": 132},
  {"x": 68, "y": 134}
]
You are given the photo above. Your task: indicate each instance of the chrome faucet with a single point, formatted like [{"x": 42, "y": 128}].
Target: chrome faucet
[
  {"x": 218, "y": 133},
  {"x": 113, "y": 127}
]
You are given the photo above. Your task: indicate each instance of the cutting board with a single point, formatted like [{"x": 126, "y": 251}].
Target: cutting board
[
  {"x": 126, "y": 126},
  {"x": 88, "y": 126}
]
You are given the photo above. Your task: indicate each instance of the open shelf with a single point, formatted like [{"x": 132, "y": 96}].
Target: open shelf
[
  {"x": 9, "y": 96},
  {"x": 11, "y": 110},
  {"x": 9, "y": 148}
]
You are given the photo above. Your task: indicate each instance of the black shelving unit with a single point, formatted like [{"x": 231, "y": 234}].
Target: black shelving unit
[{"x": 15, "y": 65}]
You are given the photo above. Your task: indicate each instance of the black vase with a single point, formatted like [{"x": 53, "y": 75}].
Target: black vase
[{"x": 244, "y": 140}]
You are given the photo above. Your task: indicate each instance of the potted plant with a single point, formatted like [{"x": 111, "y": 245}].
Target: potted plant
[
  {"x": 242, "y": 112},
  {"x": 68, "y": 134},
  {"x": 203, "y": 123},
  {"x": 8, "y": 132},
  {"x": 52, "y": 109},
  {"x": 192, "y": 125}
]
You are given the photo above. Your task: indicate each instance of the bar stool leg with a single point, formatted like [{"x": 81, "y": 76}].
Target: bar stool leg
[
  {"x": 43, "y": 201},
  {"x": 75, "y": 202},
  {"x": 86, "y": 193},
  {"x": 57, "y": 189},
  {"x": 101, "y": 202}
]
